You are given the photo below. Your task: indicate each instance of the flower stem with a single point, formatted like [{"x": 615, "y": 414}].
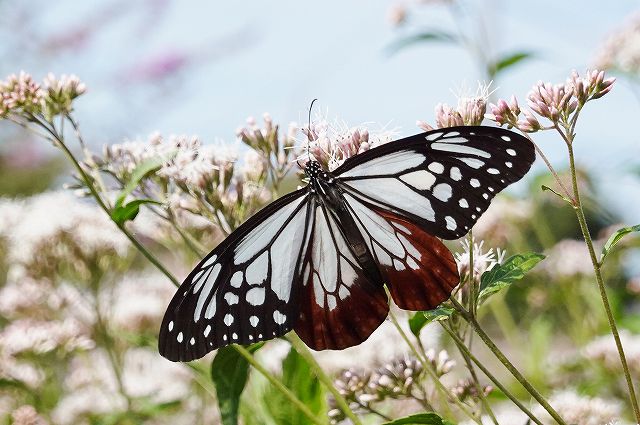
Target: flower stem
[
  {"x": 505, "y": 361},
  {"x": 302, "y": 349},
  {"x": 467, "y": 354},
  {"x": 279, "y": 385},
  {"x": 597, "y": 269}
]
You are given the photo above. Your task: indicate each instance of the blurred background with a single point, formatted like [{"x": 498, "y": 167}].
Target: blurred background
[{"x": 203, "y": 68}]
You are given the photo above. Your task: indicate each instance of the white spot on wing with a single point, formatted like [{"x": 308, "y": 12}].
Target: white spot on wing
[
  {"x": 170, "y": 326},
  {"x": 447, "y": 147},
  {"x": 253, "y": 320},
  {"x": 463, "y": 203},
  {"x": 451, "y": 223},
  {"x": 343, "y": 292},
  {"x": 455, "y": 174},
  {"x": 411, "y": 263},
  {"x": 255, "y": 296},
  {"x": 511, "y": 152},
  {"x": 347, "y": 272},
  {"x": 236, "y": 279},
  {"x": 331, "y": 302},
  {"x": 228, "y": 319},
  {"x": 506, "y": 138},
  {"x": 207, "y": 330},
  {"x": 493, "y": 171},
  {"x": 398, "y": 265},
  {"x": 210, "y": 261},
  {"x": 387, "y": 164},
  {"x": 475, "y": 182},
  {"x": 192, "y": 341},
  {"x": 180, "y": 337},
  {"x": 508, "y": 164},
  {"x": 279, "y": 318},
  {"x": 231, "y": 298},
  {"x": 318, "y": 291},
  {"x": 433, "y": 136},
  {"x": 474, "y": 163},
  {"x": 257, "y": 270},
  {"x": 442, "y": 191},
  {"x": 421, "y": 179},
  {"x": 436, "y": 167}
]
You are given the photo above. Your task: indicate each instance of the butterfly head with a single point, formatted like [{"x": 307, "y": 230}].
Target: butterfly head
[{"x": 313, "y": 169}]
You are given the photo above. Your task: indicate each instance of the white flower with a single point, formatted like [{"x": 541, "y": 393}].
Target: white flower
[
  {"x": 581, "y": 410},
  {"x": 568, "y": 258},
  {"x": 482, "y": 261},
  {"x": 604, "y": 350},
  {"x": 138, "y": 301},
  {"x": 39, "y": 221},
  {"x": 40, "y": 336}
]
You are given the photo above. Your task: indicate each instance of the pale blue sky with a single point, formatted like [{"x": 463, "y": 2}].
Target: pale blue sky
[{"x": 277, "y": 56}]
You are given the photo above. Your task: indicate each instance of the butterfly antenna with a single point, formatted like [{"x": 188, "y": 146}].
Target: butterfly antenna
[{"x": 309, "y": 127}]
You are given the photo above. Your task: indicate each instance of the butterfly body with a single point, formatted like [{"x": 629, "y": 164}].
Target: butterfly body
[{"x": 317, "y": 260}]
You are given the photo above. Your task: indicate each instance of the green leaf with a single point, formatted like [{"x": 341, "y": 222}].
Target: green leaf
[
  {"x": 508, "y": 61},
  {"x": 298, "y": 376},
  {"x": 423, "y": 318},
  {"x": 129, "y": 211},
  {"x": 229, "y": 373},
  {"x": 502, "y": 276},
  {"x": 144, "y": 168},
  {"x": 423, "y": 37},
  {"x": 615, "y": 238},
  {"x": 420, "y": 419}
]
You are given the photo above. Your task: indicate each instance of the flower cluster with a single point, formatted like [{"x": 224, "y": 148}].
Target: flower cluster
[
  {"x": 558, "y": 103},
  {"x": 603, "y": 349},
  {"x": 21, "y": 96},
  {"x": 397, "y": 379},
  {"x": 621, "y": 50},
  {"x": 583, "y": 410},
  {"x": 470, "y": 110},
  {"x": 482, "y": 260},
  {"x": 332, "y": 144},
  {"x": 466, "y": 390}
]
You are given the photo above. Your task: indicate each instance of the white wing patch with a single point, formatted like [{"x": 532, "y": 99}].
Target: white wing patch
[
  {"x": 387, "y": 242},
  {"x": 388, "y": 164},
  {"x": 394, "y": 192}
]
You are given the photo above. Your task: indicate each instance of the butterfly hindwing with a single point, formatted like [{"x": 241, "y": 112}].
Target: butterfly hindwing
[
  {"x": 442, "y": 180},
  {"x": 418, "y": 269},
  {"x": 339, "y": 305},
  {"x": 243, "y": 291}
]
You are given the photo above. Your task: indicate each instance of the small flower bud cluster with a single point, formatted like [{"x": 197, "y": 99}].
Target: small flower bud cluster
[
  {"x": 466, "y": 390},
  {"x": 394, "y": 380},
  {"x": 557, "y": 103},
  {"x": 21, "y": 96},
  {"x": 60, "y": 94},
  {"x": 482, "y": 260},
  {"x": 442, "y": 363},
  {"x": 270, "y": 148},
  {"x": 469, "y": 111}
]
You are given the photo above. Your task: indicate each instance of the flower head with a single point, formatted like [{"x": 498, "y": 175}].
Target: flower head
[
  {"x": 482, "y": 260},
  {"x": 20, "y": 94},
  {"x": 59, "y": 93},
  {"x": 470, "y": 109}
]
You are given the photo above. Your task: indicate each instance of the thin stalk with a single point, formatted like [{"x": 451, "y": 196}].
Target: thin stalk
[
  {"x": 505, "y": 361},
  {"x": 302, "y": 349},
  {"x": 279, "y": 385},
  {"x": 549, "y": 166},
  {"x": 429, "y": 368},
  {"x": 489, "y": 375},
  {"x": 476, "y": 381},
  {"x": 473, "y": 287},
  {"x": 601, "y": 286}
]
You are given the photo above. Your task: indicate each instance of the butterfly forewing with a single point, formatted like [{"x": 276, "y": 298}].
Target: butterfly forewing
[
  {"x": 442, "y": 180},
  {"x": 243, "y": 291}
]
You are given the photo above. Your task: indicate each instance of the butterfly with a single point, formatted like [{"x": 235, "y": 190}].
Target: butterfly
[{"x": 317, "y": 260}]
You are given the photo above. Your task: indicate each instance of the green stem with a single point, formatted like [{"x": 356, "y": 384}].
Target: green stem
[
  {"x": 426, "y": 365},
  {"x": 302, "y": 349},
  {"x": 489, "y": 375},
  {"x": 279, "y": 385},
  {"x": 601, "y": 286},
  {"x": 503, "y": 359}
]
